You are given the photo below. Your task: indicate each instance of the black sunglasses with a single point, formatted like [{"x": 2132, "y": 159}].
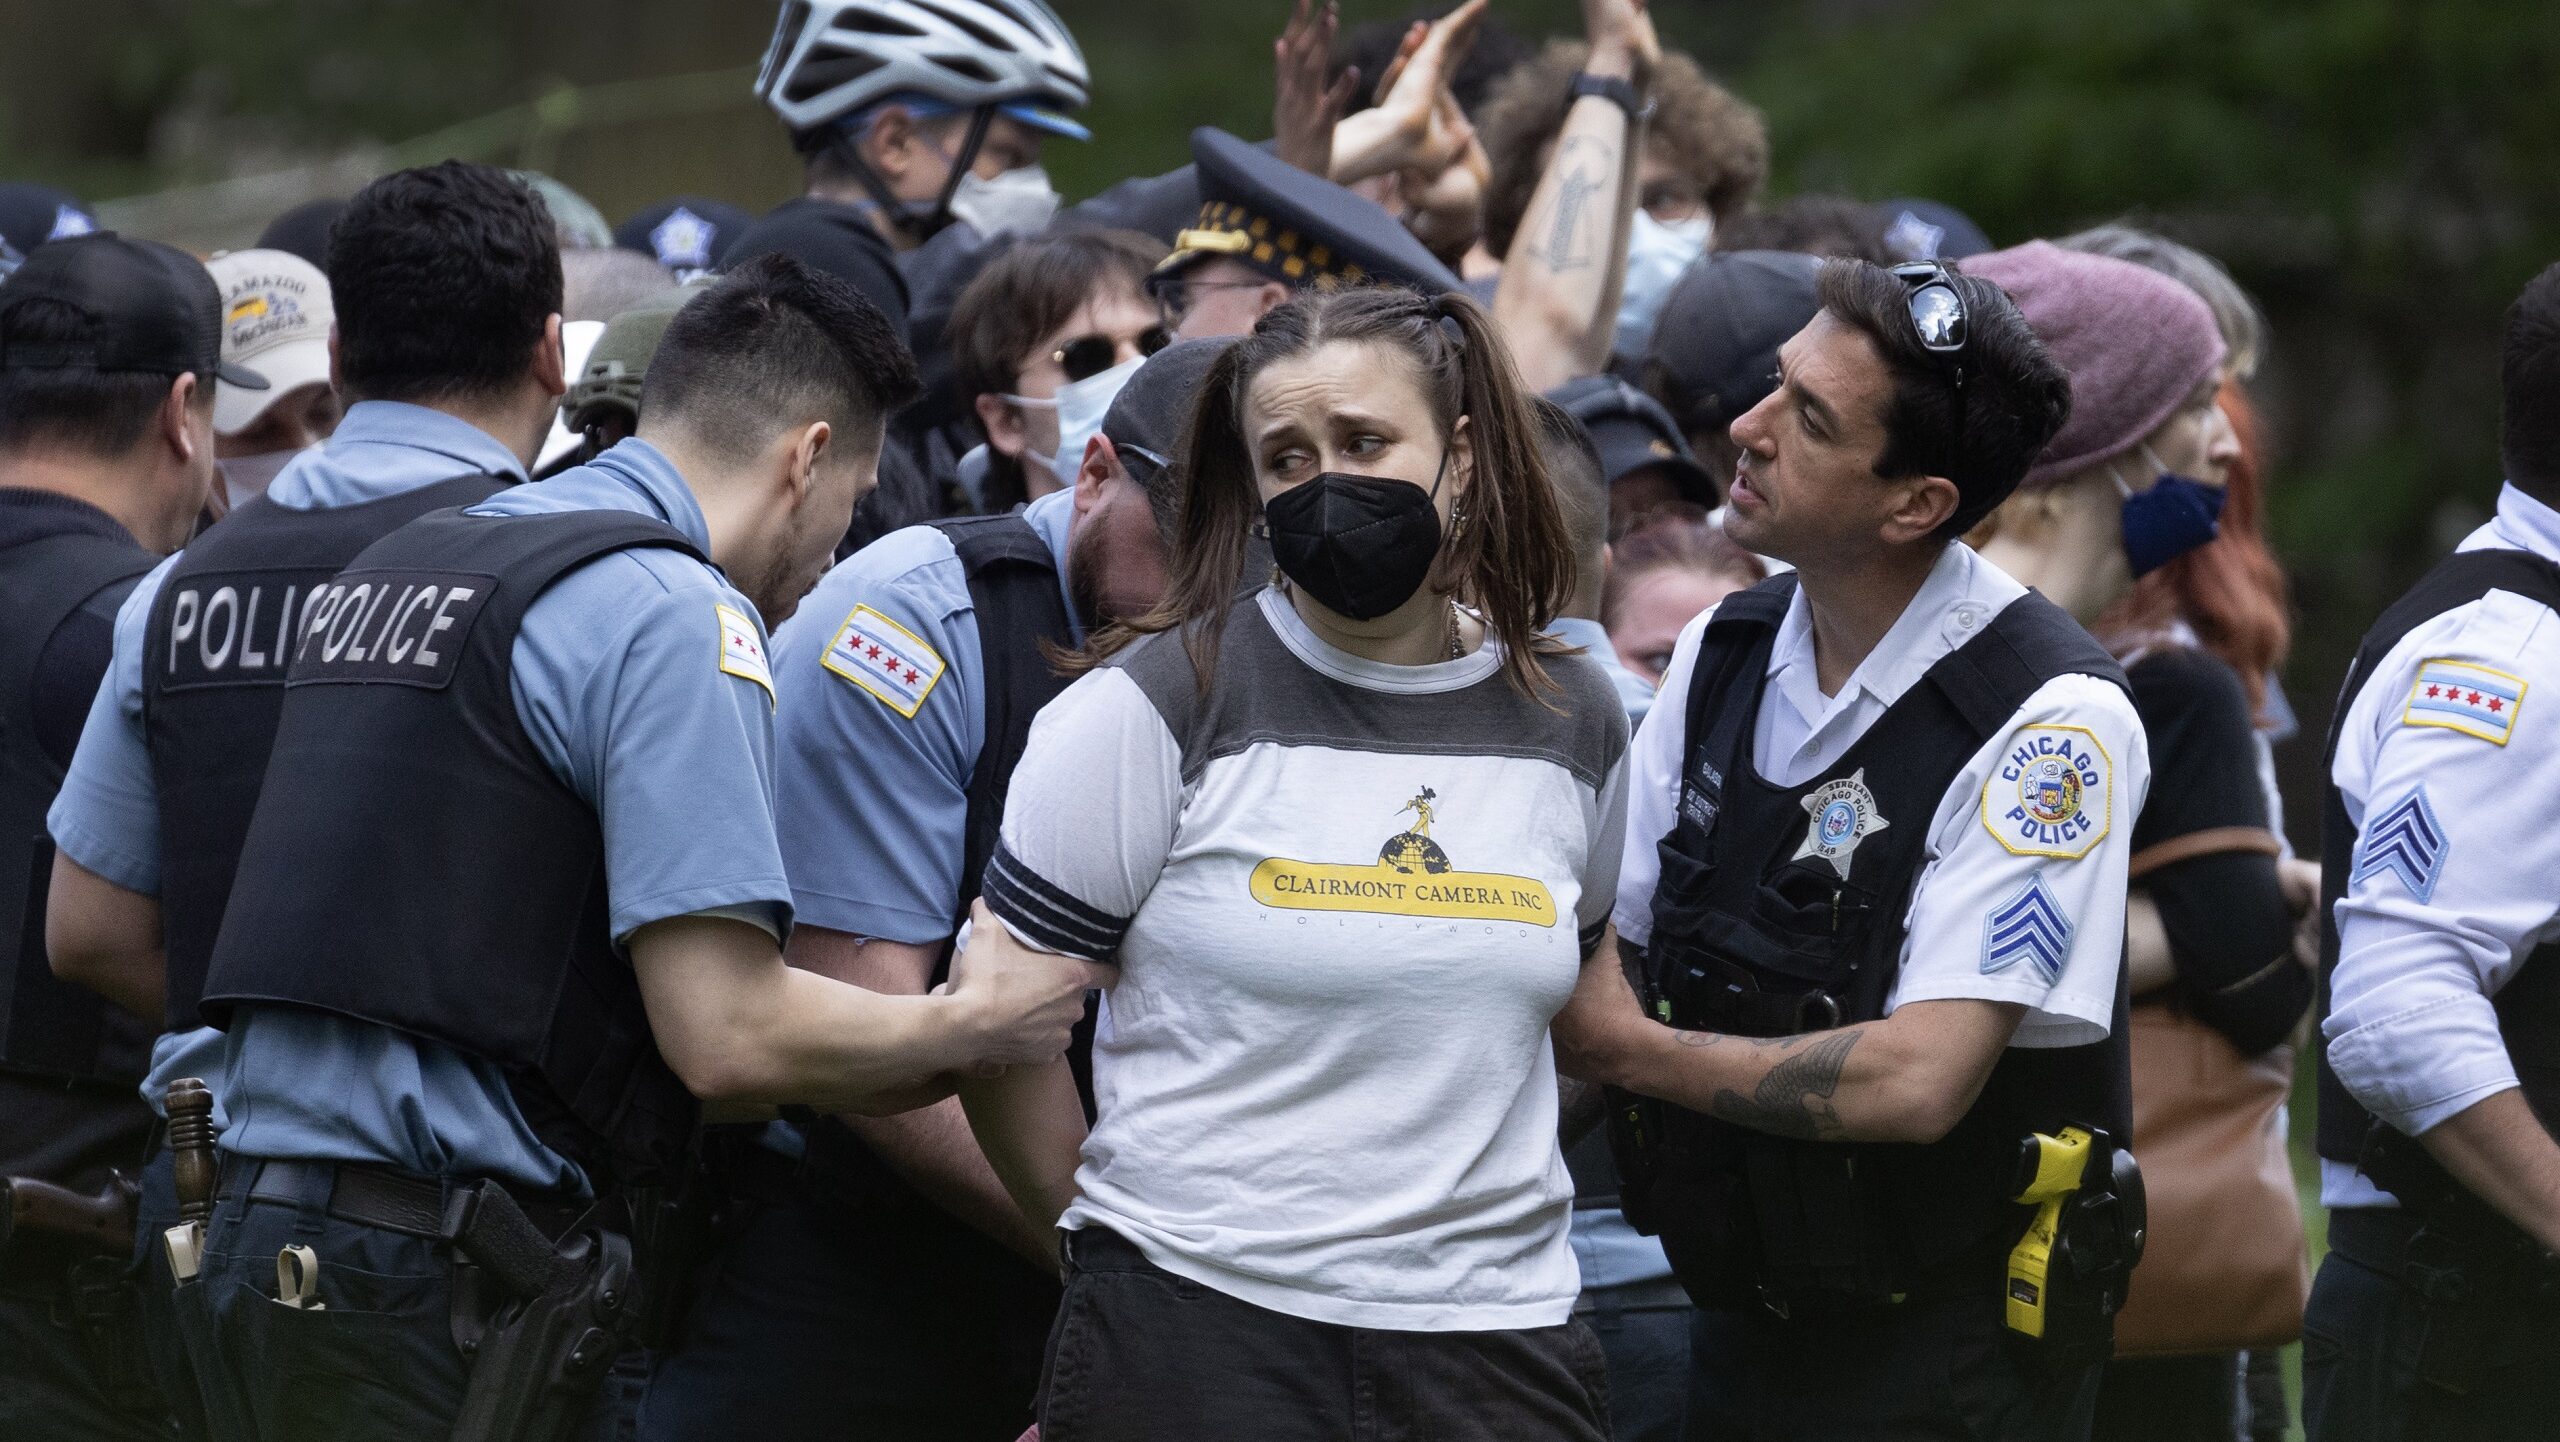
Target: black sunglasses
[
  {"x": 1938, "y": 317},
  {"x": 1088, "y": 356}
]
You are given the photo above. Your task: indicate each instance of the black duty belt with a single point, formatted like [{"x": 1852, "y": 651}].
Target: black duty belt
[{"x": 395, "y": 1201}]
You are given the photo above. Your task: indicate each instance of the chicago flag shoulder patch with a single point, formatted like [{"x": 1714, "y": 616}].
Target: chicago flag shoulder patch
[
  {"x": 886, "y": 659},
  {"x": 742, "y": 648},
  {"x": 2461, "y": 696},
  {"x": 2030, "y": 927}
]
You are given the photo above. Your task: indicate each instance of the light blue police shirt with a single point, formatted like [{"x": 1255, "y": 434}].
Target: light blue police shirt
[
  {"x": 1612, "y": 1253},
  {"x": 618, "y": 679},
  {"x": 107, "y": 817},
  {"x": 872, "y": 821}
]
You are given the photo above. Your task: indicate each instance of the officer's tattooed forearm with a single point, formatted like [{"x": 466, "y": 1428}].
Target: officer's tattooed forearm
[{"x": 1793, "y": 1098}]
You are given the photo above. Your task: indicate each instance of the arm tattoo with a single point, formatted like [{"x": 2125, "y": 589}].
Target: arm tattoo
[
  {"x": 1567, "y": 248},
  {"x": 1794, "y": 1098}
]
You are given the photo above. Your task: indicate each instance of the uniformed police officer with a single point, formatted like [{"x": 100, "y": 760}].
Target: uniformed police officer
[
  {"x": 878, "y": 1269},
  {"x": 1876, "y": 864},
  {"x": 446, "y": 282},
  {"x": 515, "y": 902},
  {"x": 1267, "y": 229},
  {"x": 108, "y": 353},
  {"x": 2437, "y": 1310}
]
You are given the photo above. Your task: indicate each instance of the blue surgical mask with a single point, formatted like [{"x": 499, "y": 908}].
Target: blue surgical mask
[
  {"x": 1658, "y": 254},
  {"x": 2175, "y": 516},
  {"x": 1080, "y": 405}
]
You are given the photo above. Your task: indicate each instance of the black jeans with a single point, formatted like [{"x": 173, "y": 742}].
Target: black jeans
[
  {"x": 2360, "y": 1383},
  {"x": 376, "y": 1363},
  {"x": 1141, "y": 1355},
  {"x": 821, "y": 1321},
  {"x": 1647, "y": 1346},
  {"x": 1944, "y": 1370}
]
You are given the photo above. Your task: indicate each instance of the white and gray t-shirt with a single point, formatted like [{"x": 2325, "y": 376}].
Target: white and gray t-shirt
[{"x": 1345, "y": 898}]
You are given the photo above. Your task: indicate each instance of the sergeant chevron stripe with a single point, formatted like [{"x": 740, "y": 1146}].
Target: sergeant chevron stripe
[
  {"x": 2406, "y": 841},
  {"x": 2028, "y": 927}
]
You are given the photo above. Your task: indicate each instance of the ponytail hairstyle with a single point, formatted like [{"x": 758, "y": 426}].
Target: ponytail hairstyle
[{"x": 1504, "y": 552}]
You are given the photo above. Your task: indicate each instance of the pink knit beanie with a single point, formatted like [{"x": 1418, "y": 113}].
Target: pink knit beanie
[{"x": 2135, "y": 343}]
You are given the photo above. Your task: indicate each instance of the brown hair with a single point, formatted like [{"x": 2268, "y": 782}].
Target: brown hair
[
  {"x": 1677, "y": 537},
  {"x": 1714, "y": 138},
  {"x": 2231, "y": 590},
  {"x": 1028, "y": 290},
  {"x": 1505, "y": 552}
]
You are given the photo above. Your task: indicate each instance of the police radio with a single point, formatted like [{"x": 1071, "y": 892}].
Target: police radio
[{"x": 2067, "y": 1275}]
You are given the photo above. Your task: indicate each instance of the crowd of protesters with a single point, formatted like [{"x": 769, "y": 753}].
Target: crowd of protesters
[{"x": 1444, "y": 775}]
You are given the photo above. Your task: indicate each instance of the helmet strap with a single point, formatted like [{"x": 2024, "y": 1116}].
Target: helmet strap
[{"x": 841, "y": 140}]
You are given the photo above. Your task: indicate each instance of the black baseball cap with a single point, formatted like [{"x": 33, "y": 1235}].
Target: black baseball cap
[
  {"x": 1714, "y": 353},
  {"x": 304, "y": 230},
  {"x": 31, "y": 214},
  {"x": 1151, "y": 410},
  {"x": 150, "y": 309},
  {"x": 1631, "y": 431}
]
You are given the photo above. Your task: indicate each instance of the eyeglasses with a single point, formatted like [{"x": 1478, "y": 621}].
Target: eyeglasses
[
  {"x": 1938, "y": 317},
  {"x": 1175, "y": 295},
  {"x": 1088, "y": 356}
]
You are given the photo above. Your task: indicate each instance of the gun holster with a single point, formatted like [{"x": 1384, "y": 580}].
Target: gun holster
[
  {"x": 2068, "y": 1273},
  {"x": 2489, "y": 1295},
  {"x": 541, "y": 1321},
  {"x": 85, "y": 1244}
]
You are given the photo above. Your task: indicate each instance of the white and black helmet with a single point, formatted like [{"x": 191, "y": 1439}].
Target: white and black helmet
[{"x": 833, "y": 58}]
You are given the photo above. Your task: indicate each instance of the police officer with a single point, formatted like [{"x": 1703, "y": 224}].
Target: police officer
[
  {"x": 1876, "y": 867},
  {"x": 511, "y": 901},
  {"x": 109, "y": 349},
  {"x": 446, "y": 282},
  {"x": 1268, "y": 229},
  {"x": 877, "y": 1268},
  {"x": 2436, "y": 1312}
]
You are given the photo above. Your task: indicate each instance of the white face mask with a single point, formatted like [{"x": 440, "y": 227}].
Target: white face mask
[
  {"x": 1017, "y": 202},
  {"x": 1080, "y": 405},
  {"x": 1658, "y": 254},
  {"x": 247, "y": 477}
]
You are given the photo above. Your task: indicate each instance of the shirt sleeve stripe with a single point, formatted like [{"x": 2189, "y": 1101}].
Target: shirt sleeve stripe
[
  {"x": 1046, "y": 914},
  {"x": 1591, "y": 936}
]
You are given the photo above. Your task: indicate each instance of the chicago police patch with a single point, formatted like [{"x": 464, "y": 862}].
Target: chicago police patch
[
  {"x": 2460, "y": 696},
  {"x": 886, "y": 659},
  {"x": 742, "y": 648},
  {"x": 2052, "y": 793},
  {"x": 2030, "y": 927}
]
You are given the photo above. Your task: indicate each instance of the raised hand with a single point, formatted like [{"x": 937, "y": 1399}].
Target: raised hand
[
  {"x": 1409, "y": 129},
  {"x": 1305, "y": 108}
]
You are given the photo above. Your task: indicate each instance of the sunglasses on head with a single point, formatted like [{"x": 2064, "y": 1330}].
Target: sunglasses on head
[
  {"x": 1938, "y": 316},
  {"x": 1088, "y": 356}
]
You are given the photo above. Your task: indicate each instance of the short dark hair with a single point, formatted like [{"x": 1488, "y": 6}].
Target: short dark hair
[
  {"x": 1026, "y": 291},
  {"x": 443, "y": 277},
  {"x": 1825, "y": 225},
  {"x": 2529, "y": 389},
  {"x": 1715, "y": 139},
  {"x": 1580, "y": 479},
  {"x": 2015, "y": 396},
  {"x": 775, "y": 343},
  {"x": 92, "y": 412}
]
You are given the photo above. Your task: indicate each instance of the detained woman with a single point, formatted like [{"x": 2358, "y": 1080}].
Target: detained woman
[
  {"x": 2132, "y": 484},
  {"x": 1348, "y": 837}
]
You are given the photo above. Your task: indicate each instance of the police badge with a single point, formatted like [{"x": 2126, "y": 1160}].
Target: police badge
[{"x": 1843, "y": 814}]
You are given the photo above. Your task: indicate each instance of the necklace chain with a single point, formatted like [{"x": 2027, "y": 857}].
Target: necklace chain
[{"x": 1455, "y": 650}]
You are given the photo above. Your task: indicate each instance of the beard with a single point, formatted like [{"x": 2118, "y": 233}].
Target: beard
[
  {"x": 1087, "y": 558},
  {"x": 776, "y": 586}
]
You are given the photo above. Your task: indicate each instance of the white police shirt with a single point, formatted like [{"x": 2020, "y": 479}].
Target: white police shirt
[
  {"x": 2007, "y": 907},
  {"x": 2452, "y": 881}
]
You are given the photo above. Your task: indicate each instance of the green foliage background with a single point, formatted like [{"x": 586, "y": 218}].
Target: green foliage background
[{"x": 2382, "y": 173}]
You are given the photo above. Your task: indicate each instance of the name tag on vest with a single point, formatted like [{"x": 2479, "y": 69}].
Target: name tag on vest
[
  {"x": 404, "y": 627},
  {"x": 234, "y": 628}
]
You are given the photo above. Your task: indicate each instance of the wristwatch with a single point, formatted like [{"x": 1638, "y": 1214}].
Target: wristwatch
[{"x": 1616, "y": 89}]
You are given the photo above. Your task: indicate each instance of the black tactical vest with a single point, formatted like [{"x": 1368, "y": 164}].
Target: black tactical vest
[
  {"x": 48, "y": 1027},
  {"x": 213, "y": 677},
  {"x": 2529, "y": 1005},
  {"x": 414, "y": 862},
  {"x": 1753, "y": 938}
]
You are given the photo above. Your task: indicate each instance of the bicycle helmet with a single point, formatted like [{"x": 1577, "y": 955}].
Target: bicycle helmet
[{"x": 831, "y": 59}]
